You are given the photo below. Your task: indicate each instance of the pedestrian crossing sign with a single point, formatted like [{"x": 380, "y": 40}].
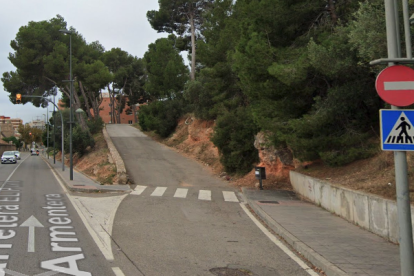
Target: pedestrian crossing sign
[{"x": 397, "y": 129}]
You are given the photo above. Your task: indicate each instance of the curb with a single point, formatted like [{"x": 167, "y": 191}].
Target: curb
[
  {"x": 309, "y": 254},
  {"x": 119, "y": 162},
  {"x": 84, "y": 190}
]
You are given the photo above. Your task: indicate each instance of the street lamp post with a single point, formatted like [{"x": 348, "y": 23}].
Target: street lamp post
[
  {"x": 47, "y": 130},
  {"x": 71, "y": 102}
]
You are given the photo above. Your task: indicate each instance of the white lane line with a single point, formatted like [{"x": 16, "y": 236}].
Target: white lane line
[
  {"x": 107, "y": 252},
  {"x": 159, "y": 191},
  {"x": 230, "y": 196},
  {"x": 138, "y": 190},
  {"x": 181, "y": 193},
  {"x": 118, "y": 271},
  {"x": 204, "y": 195},
  {"x": 279, "y": 243}
]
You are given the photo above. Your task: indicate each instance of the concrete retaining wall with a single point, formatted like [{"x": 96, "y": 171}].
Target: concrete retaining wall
[
  {"x": 117, "y": 159},
  {"x": 368, "y": 211}
]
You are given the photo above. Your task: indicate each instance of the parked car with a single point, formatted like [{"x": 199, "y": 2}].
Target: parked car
[
  {"x": 8, "y": 157},
  {"x": 17, "y": 154}
]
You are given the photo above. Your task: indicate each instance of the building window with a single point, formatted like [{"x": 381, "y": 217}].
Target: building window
[{"x": 130, "y": 122}]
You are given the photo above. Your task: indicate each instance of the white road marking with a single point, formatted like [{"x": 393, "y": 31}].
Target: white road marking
[
  {"x": 230, "y": 196},
  {"x": 204, "y": 195},
  {"x": 279, "y": 243},
  {"x": 31, "y": 222},
  {"x": 181, "y": 193},
  {"x": 118, "y": 271},
  {"x": 138, "y": 190},
  {"x": 159, "y": 191},
  {"x": 105, "y": 247}
]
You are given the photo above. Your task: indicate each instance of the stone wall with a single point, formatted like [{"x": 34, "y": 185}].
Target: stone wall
[{"x": 117, "y": 159}]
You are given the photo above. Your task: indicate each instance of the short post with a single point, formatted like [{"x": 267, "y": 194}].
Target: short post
[{"x": 260, "y": 173}]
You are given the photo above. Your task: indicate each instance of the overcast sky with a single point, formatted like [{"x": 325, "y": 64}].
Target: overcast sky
[{"x": 121, "y": 24}]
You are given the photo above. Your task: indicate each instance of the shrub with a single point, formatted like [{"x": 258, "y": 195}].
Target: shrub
[
  {"x": 234, "y": 137},
  {"x": 80, "y": 141},
  {"x": 95, "y": 125},
  {"x": 161, "y": 116}
]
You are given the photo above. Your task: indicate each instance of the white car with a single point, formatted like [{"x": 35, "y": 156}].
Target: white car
[
  {"x": 8, "y": 157},
  {"x": 17, "y": 154}
]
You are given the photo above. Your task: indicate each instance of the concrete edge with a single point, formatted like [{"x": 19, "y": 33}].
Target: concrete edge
[
  {"x": 119, "y": 162},
  {"x": 311, "y": 255},
  {"x": 84, "y": 190}
]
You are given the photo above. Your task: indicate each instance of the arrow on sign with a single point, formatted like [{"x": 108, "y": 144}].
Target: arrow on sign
[
  {"x": 31, "y": 222},
  {"x": 399, "y": 85}
]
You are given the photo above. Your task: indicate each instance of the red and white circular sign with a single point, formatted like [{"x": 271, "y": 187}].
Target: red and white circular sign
[{"x": 395, "y": 85}]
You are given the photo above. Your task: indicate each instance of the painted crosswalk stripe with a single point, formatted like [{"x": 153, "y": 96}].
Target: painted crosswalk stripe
[
  {"x": 138, "y": 190},
  {"x": 230, "y": 196},
  {"x": 181, "y": 193},
  {"x": 159, "y": 191},
  {"x": 118, "y": 271},
  {"x": 204, "y": 195}
]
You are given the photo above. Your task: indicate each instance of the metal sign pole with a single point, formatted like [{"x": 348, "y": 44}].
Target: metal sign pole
[{"x": 400, "y": 157}]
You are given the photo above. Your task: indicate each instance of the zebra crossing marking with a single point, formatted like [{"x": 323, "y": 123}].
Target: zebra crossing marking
[
  {"x": 181, "y": 193},
  {"x": 159, "y": 191},
  {"x": 230, "y": 196},
  {"x": 204, "y": 195},
  {"x": 138, "y": 190}
]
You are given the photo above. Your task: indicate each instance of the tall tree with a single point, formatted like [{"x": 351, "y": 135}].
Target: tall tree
[
  {"x": 165, "y": 69},
  {"x": 183, "y": 17},
  {"x": 41, "y": 57},
  {"x": 127, "y": 75}
]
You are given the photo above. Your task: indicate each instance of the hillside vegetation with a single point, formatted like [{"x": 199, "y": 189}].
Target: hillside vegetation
[{"x": 296, "y": 71}]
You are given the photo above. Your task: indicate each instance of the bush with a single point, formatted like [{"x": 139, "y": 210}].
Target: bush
[
  {"x": 234, "y": 137},
  {"x": 95, "y": 125},
  {"x": 161, "y": 116},
  {"x": 80, "y": 141}
]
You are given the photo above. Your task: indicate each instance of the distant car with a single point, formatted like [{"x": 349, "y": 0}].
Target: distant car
[
  {"x": 17, "y": 154},
  {"x": 8, "y": 157},
  {"x": 33, "y": 151}
]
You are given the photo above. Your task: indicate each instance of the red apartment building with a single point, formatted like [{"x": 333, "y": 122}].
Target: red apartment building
[{"x": 127, "y": 116}]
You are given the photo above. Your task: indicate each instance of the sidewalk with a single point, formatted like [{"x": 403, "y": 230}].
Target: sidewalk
[
  {"x": 326, "y": 240},
  {"x": 82, "y": 183}
]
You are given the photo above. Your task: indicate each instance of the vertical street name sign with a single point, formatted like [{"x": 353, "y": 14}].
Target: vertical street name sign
[{"x": 397, "y": 129}]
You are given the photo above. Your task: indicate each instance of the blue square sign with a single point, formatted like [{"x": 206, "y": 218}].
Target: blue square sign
[{"x": 397, "y": 129}]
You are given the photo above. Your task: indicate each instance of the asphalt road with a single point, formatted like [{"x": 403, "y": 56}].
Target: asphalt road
[
  {"x": 178, "y": 222},
  {"x": 40, "y": 231}
]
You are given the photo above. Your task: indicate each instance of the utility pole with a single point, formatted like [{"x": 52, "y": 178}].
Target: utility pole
[{"x": 400, "y": 157}]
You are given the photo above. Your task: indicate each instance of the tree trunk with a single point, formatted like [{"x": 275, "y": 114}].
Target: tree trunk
[
  {"x": 111, "y": 101},
  {"x": 193, "y": 47},
  {"x": 77, "y": 105},
  {"x": 332, "y": 11},
  {"x": 88, "y": 109}
]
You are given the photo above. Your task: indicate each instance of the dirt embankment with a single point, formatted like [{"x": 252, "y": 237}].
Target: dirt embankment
[
  {"x": 95, "y": 163},
  {"x": 192, "y": 138}
]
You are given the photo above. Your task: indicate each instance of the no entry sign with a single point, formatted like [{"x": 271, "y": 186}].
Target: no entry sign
[{"x": 395, "y": 85}]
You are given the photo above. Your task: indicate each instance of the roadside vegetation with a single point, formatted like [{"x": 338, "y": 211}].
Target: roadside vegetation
[{"x": 297, "y": 71}]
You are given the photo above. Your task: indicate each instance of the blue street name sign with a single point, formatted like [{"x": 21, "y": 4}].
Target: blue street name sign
[{"x": 397, "y": 129}]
